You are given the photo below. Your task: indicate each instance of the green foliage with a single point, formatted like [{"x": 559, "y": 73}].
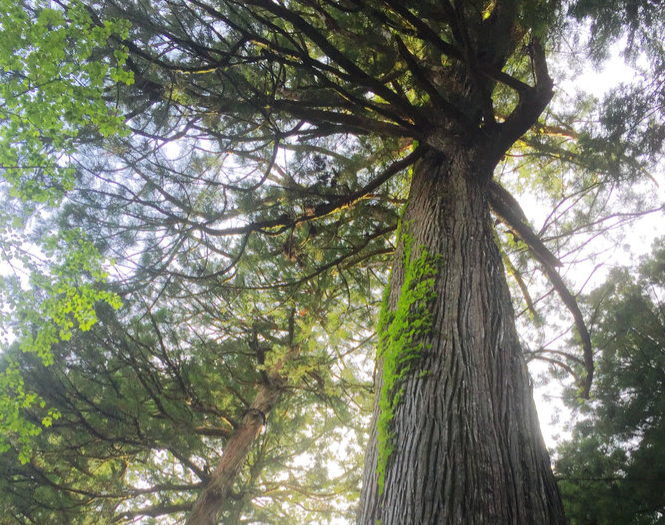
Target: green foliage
[
  {"x": 631, "y": 127},
  {"x": 612, "y": 470},
  {"x": 615, "y": 19},
  {"x": 56, "y": 69},
  {"x": 403, "y": 333},
  {"x": 54, "y": 84},
  {"x": 41, "y": 313},
  {"x": 138, "y": 397},
  {"x": 13, "y": 400}
]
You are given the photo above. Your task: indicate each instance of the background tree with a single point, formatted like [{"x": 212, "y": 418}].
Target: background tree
[
  {"x": 267, "y": 150},
  {"x": 612, "y": 467}
]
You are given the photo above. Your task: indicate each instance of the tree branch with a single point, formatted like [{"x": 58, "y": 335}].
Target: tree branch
[
  {"x": 508, "y": 210},
  {"x": 531, "y": 103}
]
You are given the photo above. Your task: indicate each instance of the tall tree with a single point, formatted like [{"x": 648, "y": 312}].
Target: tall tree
[{"x": 269, "y": 145}]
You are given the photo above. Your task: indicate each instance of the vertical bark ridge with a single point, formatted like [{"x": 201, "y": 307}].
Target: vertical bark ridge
[{"x": 468, "y": 448}]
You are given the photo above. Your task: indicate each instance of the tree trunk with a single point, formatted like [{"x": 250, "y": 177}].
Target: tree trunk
[
  {"x": 458, "y": 440},
  {"x": 209, "y": 505}
]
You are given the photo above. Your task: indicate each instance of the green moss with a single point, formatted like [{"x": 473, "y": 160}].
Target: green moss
[{"x": 402, "y": 333}]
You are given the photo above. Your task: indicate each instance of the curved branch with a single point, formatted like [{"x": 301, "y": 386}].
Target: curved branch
[
  {"x": 571, "y": 303},
  {"x": 558, "y": 363},
  {"x": 508, "y": 210},
  {"x": 566, "y": 355},
  {"x": 532, "y": 102},
  {"x": 323, "y": 210}
]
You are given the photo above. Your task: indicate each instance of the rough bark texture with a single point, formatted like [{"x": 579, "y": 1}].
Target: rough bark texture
[{"x": 467, "y": 444}]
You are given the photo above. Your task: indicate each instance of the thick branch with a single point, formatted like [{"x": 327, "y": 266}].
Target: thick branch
[
  {"x": 508, "y": 210},
  {"x": 531, "y": 103},
  {"x": 157, "y": 510}
]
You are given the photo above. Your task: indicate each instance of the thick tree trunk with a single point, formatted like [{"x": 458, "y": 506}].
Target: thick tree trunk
[{"x": 464, "y": 445}]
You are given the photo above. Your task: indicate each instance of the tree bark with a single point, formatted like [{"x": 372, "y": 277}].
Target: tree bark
[{"x": 467, "y": 443}]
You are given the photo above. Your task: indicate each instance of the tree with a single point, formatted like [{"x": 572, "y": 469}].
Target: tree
[
  {"x": 268, "y": 148},
  {"x": 143, "y": 406},
  {"x": 612, "y": 467}
]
